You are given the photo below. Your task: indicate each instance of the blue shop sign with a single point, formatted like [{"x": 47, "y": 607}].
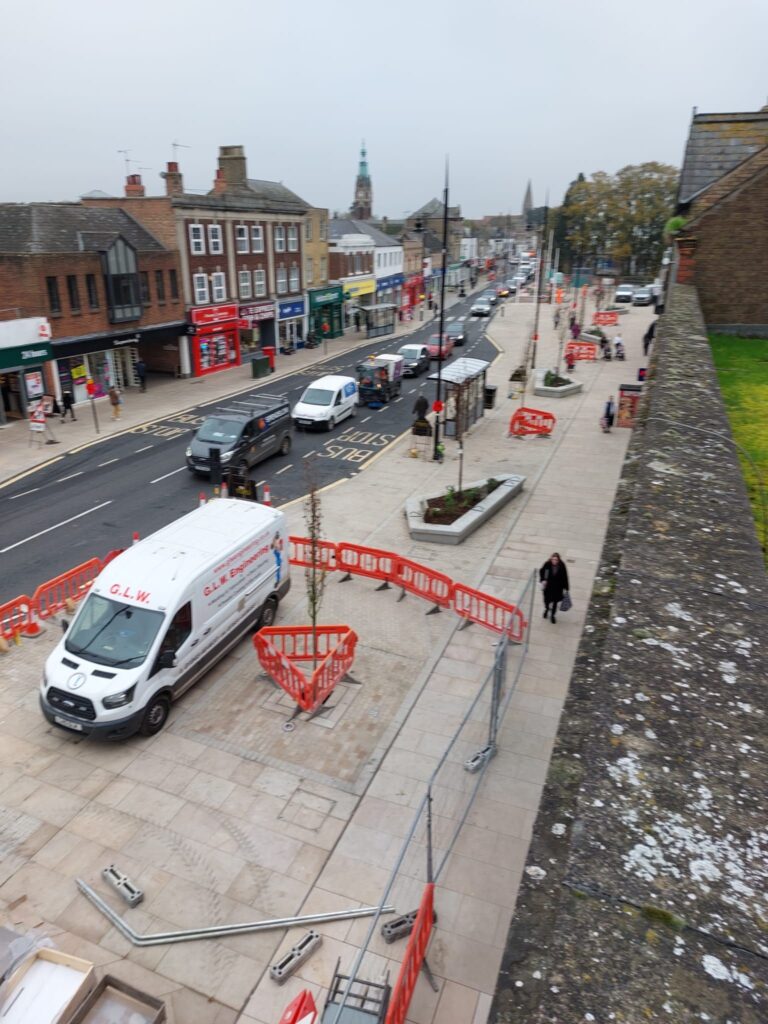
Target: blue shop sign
[
  {"x": 285, "y": 310},
  {"x": 393, "y": 281}
]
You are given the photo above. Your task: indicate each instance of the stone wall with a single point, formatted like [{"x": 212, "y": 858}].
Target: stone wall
[{"x": 644, "y": 895}]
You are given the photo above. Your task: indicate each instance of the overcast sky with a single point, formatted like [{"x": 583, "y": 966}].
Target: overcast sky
[{"x": 511, "y": 90}]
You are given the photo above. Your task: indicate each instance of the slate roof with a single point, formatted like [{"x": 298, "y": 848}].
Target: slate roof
[
  {"x": 433, "y": 209},
  {"x": 716, "y": 144},
  {"x": 30, "y": 228},
  {"x": 339, "y": 226},
  {"x": 719, "y": 190},
  {"x": 264, "y": 196}
]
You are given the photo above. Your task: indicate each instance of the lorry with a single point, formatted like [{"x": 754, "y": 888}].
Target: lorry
[
  {"x": 380, "y": 378},
  {"x": 161, "y": 614}
]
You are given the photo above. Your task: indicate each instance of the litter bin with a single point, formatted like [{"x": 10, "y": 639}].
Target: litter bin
[
  {"x": 489, "y": 396},
  {"x": 260, "y": 366},
  {"x": 269, "y": 352}
]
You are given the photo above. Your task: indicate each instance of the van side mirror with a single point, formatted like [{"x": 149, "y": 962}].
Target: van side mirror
[
  {"x": 64, "y": 625},
  {"x": 167, "y": 659}
]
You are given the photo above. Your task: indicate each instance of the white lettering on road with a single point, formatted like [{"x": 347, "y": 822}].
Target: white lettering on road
[
  {"x": 55, "y": 527},
  {"x": 166, "y": 475}
]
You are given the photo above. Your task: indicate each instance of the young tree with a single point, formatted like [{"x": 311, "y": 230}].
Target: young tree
[{"x": 315, "y": 573}]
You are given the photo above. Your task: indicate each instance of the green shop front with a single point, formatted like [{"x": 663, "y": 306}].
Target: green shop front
[{"x": 326, "y": 319}]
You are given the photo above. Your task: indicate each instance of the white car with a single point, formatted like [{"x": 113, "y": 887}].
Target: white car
[
  {"x": 481, "y": 307},
  {"x": 624, "y": 293}
]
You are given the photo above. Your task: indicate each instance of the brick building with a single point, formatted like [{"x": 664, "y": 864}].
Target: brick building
[
  {"x": 107, "y": 286},
  {"x": 723, "y": 247}
]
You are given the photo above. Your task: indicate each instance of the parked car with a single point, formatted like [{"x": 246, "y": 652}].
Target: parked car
[
  {"x": 481, "y": 307},
  {"x": 512, "y": 287},
  {"x": 642, "y": 297},
  {"x": 433, "y": 346},
  {"x": 490, "y": 295},
  {"x": 456, "y": 333},
  {"x": 624, "y": 293},
  {"x": 325, "y": 402},
  {"x": 242, "y": 438},
  {"x": 502, "y": 291},
  {"x": 415, "y": 359}
]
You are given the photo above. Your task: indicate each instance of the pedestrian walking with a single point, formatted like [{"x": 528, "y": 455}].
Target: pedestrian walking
[
  {"x": 115, "y": 400},
  {"x": 553, "y": 577},
  {"x": 420, "y": 408},
  {"x": 609, "y": 414},
  {"x": 556, "y": 319},
  {"x": 648, "y": 337},
  {"x": 68, "y": 403},
  {"x": 141, "y": 373},
  {"x": 575, "y": 330}
]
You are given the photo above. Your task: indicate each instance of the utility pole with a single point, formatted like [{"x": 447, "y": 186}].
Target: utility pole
[
  {"x": 539, "y": 265},
  {"x": 436, "y": 453}
]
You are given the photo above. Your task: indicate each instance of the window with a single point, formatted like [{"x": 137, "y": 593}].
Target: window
[
  {"x": 196, "y": 240},
  {"x": 279, "y": 237},
  {"x": 323, "y": 269},
  {"x": 200, "y": 284},
  {"x": 159, "y": 286},
  {"x": 308, "y": 271},
  {"x": 74, "y": 293},
  {"x": 93, "y": 291},
  {"x": 323, "y": 229},
  {"x": 259, "y": 284},
  {"x": 293, "y": 238},
  {"x": 358, "y": 263},
  {"x": 179, "y": 630},
  {"x": 308, "y": 230},
  {"x": 144, "y": 287},
  {"x": 257, "y": 238},
  {"x": 173, "y": 283},
  {"x": 121, "y": 282},
  {"x": 218, "y": 287},
  {"x": 241, "y": 238},
  {"x": 245, "y": 284},
  {"x": 282, "y": 280},
  {"x": 54, "y": 301},
  {"x": 295, "y": 284},
  {"x": 215, "y": 243}
]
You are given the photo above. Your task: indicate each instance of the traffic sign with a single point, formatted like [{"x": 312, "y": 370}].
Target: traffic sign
[{"x": 37, "y": 418}]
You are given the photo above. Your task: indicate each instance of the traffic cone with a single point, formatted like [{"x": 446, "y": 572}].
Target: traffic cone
[
  {"x": 201, "y": 500},
  {"x": 136, "y": 537},
  {"x": 267, "y": 496},
  {"x": 225, "y": 490}
]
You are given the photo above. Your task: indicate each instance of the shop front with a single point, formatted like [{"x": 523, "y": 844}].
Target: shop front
[
  {"x": 326, "y": 319},
  {"x": 214, "y": 338},
  {"x": 359, "y": 293},
  {"x": 26, "y": 371},
  {"x": 257, "y": 327},
  {"x": 413, "y": 295},
  {"x": 389, "y": 289},
  {"x": 290, "y": 325}
]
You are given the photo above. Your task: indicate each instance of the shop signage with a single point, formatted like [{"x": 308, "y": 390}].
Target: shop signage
[
  {"x": 25, "y": 331},
  {"x": 204, "y": 315},
  {"x": 393, "y": 281},
  {"x": 286, "y": 310},
  {"x": 17, "y": 356},
  {"x": 325, "y": 296},
  {"x": 258, "y": 311},
  {"x": 363, "y": 286}
]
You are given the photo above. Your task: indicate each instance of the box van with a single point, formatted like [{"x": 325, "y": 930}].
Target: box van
[
  {"x": 244, "y": 433},
  {"x": 161, "y": 614},
  {"x": 326, "y": 402}
]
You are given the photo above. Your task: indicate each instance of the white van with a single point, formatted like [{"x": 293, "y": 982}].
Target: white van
[
  {"x": 161, "y": 614},
  {"x": 326, "y": 402}
]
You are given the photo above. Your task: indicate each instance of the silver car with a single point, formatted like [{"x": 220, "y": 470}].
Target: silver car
[{"x": 624, "y": 293}]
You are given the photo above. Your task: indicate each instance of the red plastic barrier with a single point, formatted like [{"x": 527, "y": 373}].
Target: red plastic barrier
[
  {"x": 16, "y": 617},
  {"x": 492, "y": 612},
  {"x": 605, "y": 318},
  {"x": 282, "y": 670},
  {"x": 424, "y": 582},
  {"x": 301, "y": 1010},
  {"x": 335, "y": 667},
  {"x": 362, "y": 561},
  {"x": 52, "y": 596},
  {"x": 111, "y": 556},
  {"x": 581, "y": 350},
  {"x": 413, "y": 959},
  {"x": 279, "y": 647},
  {"x": 531, "y": 421},
  {"x": 301, "y": 553}
]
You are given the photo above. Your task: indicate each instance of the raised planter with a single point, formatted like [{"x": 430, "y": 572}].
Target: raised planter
[
  {"x": 573, "y": 387},
  {"x": 510, "y": 485},
  {"x": 586, "y": 336}
]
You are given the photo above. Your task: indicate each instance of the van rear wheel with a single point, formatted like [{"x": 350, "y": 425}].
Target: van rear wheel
[
  {"x": 285, "y": 447},
  {"x": 155, "y": 715},
  {"x": 268, "y": 613}
]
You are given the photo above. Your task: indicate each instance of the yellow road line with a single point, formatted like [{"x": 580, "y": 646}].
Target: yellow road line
[{"x": 28, "y": 472}]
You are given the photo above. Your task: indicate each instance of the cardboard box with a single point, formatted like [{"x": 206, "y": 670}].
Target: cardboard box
[
  {"x": 46, "y": 988},
  {"x": 115, "y": 1002}
]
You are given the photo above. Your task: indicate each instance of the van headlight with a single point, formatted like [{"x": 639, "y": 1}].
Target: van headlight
[
  {"x": 226, "y": 456},
  {"x": 189, "y": 452},
  {"x": 118, "y": 700}
]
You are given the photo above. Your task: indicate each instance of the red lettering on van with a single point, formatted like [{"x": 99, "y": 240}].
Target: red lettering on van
[{"x": 142, "y": 595}]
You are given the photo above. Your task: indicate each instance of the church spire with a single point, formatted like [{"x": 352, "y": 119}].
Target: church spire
[
  {"x": 528, "y": 200},
  {"x": 362, "y": 204},
  {"x": 363, "y": 169}
]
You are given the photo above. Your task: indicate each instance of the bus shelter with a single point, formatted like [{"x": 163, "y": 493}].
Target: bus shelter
[
  {"x": 380, "y": 320},
  {"x": 463, "y": 394}
]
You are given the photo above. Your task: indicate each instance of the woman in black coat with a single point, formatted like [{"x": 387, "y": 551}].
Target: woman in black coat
[{"x": 553, "y": 577}]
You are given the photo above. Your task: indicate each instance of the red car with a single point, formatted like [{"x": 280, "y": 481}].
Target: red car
[{"x": 433, "y": 346}]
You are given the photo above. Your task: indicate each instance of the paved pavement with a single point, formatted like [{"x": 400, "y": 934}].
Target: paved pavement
[{"x": 226, "y": 816}]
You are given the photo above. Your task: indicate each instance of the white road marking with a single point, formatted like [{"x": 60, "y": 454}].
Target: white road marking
[
  {"x": 70, "y": 477},
  {"x": 260, "y": 483},
  {"x": 57, "y": 525},
  {"x": 461, "y": 319},
  {"x": 309, "y": 453},
  {"x": 166, "y": 475},
  {"x": 284, "y": 469},
  {"x": 107, "y": 463},
  {"x": 365, "y": 420},
  {"x": 400, "y": 398},
  {"x": 144, "y": 449},
  {"x": 23, "y": 493}
]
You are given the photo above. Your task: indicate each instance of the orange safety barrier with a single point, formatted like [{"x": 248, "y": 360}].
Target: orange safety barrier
[
  {"x": 492, "y": 612},
  {"x": 301, "y": 1010},
  {"x": 301, "y": 553},
  {"x": 282, "y": 670},
  {"x": 581, "y": 350},
  {"x": 52, "y": 596},
  {"x": 424, "y": 582},
  {"x": 111, "y": 556},
  {"x": 279, "y": 647},
  {"x": 16, "y": 617},
  {"x": 362, "y": 561},
  {"x": 415, "y": 953},
  {"x": 336, "y": 665},
  {"x": 531, "y": 421},
  {"x": 605, "y": 318}
]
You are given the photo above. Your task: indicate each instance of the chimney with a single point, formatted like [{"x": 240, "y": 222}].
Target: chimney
[
  {"x": 232, "y": 167},
  {"x": 174, "y": 185},
  {"x": 133, "y": 186},
  {"x": 384, "y": 223},
  {"x": 219, "y": 184}
]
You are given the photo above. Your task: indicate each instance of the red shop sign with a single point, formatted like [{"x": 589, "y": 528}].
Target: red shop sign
[{"x": 203, "y": 315}]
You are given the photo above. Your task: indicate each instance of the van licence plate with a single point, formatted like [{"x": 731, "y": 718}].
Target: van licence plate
[
  {"x": 305, "y": 423},
  {"x": 67, "y": 724}
]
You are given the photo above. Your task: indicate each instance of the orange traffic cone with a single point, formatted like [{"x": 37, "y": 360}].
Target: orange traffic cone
[
  {"x": 267, "y": 497},
  {"x": 136, "y": 537},
  {"x": 201, "y": 500},
  {"x": 225, "y": 490}
]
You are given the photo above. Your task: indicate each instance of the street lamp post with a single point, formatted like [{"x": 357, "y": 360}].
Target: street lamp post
[{"x": 437, "y": 451}]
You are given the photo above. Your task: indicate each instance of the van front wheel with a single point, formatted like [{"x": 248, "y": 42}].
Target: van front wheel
[
  {"x": 268, "y": 613},
  {"x": 155, "y": 715}
]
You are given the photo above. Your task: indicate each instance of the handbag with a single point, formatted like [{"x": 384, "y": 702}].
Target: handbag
[{"x": 566, "y": 604}]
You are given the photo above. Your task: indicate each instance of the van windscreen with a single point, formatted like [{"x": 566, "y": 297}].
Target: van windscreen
[
  {"x": 113, "y": 633},
  {"x": 317, "y": 396},
  {"x": 219, "y": 431}
]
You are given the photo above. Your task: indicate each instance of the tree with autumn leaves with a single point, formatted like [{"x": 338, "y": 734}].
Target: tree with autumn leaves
[{"x": 618, "y": 217}]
